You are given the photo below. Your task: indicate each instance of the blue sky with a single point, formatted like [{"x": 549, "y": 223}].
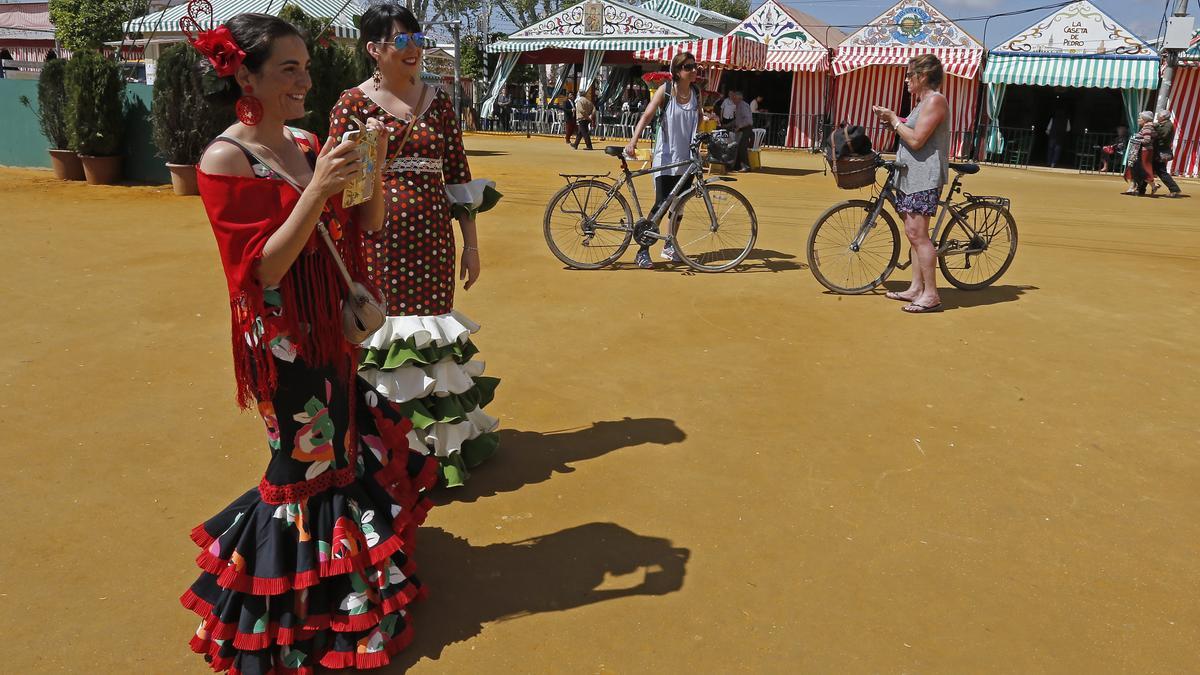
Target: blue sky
[{"x": 1140, "y": 16}]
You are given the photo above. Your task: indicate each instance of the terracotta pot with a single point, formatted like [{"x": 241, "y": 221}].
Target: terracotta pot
[
  {"x": 66, "y": 165},
  {"x": 183, "y": 179},
  {"x": 101, "y": 170}
]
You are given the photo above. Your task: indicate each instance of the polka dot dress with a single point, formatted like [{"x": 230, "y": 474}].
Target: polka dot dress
[{"x": 412, "y": 260}]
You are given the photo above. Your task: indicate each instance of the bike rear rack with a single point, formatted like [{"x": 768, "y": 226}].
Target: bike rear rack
[{"x": 1002, "y": 202}]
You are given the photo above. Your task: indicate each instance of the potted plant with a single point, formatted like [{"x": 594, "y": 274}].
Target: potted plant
[
  {"x": 184, "y": 122},
  {"x": 52, "y": 117},
  {"x": 95, "y": 113}
]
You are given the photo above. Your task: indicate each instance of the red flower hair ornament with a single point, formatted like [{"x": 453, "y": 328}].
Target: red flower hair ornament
[{"x": 216, "y": 44}]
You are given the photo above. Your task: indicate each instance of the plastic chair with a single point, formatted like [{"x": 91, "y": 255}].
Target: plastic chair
[
  {"x": 556, "y": 127},
  {"x": 759, "y": 135}
]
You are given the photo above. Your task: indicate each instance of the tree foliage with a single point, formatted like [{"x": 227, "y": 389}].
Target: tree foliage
[
  {"x": 88, "y": 24},
  {"x": 95, "y": 104},
  {"x": 184, "y": 123},
  {"x": 734, "y": 9},
  {"x": 334, "y": 69},
  {"x": 52, "y": 104}
]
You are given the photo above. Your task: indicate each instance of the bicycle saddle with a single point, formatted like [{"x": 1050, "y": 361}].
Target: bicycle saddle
[
  {"x": 965, "y": 169},
  {"x": 614, "y": 150}
]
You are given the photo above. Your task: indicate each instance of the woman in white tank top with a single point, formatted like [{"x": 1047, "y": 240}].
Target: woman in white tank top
[
  {"x": 924, "y": 147},
  {"x": 673, "y": 142}
]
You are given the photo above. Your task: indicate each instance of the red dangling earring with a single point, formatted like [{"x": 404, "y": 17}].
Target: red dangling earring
[{"x": 249, "y": 109}]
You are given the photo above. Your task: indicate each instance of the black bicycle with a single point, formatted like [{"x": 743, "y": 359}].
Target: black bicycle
[
  {"x": 848, "y": 251},
  {"x": 589, "y": 224}
]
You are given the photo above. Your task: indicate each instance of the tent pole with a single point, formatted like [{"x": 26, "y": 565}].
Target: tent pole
[{"x": 1164, "y": 87}]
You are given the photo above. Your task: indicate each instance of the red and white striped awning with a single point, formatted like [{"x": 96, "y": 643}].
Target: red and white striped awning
[
  {"x": 960, "y": 61},
  {"x": 797, "y": 61},
  {"x": 728, "y": 52}
]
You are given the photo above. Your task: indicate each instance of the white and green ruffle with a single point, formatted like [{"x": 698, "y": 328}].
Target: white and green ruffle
[
  {"x": 472, "y": 198},
  {"x": 425, "y": 365}
]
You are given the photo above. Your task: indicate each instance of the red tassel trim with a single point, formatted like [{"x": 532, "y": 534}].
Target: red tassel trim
[
  {"x": 378, "y": 659},
  {"x": 231, "y": 579},
  {"x": 295, "y": 492}
]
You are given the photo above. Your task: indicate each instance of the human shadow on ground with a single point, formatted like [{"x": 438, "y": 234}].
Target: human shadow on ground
[
  {"x": 528, "y": 457},
  {"x": 782, "y": 171},
  {"x": 485, "y": 153},
  {"x": 955, "y": 298},
  {"x": 471, "y": 586}
]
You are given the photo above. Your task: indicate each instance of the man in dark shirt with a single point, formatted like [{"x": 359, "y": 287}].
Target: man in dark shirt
[
  {"x": 569, "y": 124},
  {"x": 743, "y": 124},
  {"x": 1164, "y": 137}
]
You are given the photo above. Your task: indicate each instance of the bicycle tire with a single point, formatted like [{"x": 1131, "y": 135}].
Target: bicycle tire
[
  {"x": 1003, "y": 221},
  {"x": 556, "y": 247},
  {"x": 707, "y": 261},
  {"x": 826, "y": 221}
]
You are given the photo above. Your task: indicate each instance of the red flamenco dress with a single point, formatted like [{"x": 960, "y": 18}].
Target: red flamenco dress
[{"x": 315, "y": 564}]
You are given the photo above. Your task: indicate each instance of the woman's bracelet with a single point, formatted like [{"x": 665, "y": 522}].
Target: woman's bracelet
[{"x": 470, "y": 248}]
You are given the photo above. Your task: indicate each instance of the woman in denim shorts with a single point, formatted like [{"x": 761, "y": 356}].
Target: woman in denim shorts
[{"x": 923, "y": 159}]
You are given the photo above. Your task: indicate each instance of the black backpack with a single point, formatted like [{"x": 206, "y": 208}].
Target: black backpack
[{"x": 849, "y": 141}]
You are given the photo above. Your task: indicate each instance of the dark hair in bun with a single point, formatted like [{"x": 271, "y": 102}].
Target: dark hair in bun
[
  {"x": 378, "y": 22},
  {"x": 255, "y": 34}
]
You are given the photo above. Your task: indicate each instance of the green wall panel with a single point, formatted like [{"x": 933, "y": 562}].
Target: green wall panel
[{"x": 22, "y": 143}]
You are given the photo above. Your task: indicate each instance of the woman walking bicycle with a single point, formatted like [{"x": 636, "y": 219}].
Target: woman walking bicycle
[
  {"x": 679, "y": 100},
  {"x": 923, "y": 160}
]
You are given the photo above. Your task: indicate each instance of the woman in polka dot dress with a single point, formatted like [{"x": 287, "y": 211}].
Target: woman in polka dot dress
[{"x": 422, "y": 357}]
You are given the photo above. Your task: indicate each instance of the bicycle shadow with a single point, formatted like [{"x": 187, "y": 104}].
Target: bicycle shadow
[
  {"x": 782, "y": 171},
  {"x": 955, "y": 298},
  {"x": 757, "y": 261},
  {"x": 528, "y": 457},
  {"x": 485, "y": 153},
  {"x": 472, "y": 586}
]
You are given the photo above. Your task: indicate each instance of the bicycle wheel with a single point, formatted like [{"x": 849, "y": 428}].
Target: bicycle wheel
[
  {"x": 831, "y": 254},
  {"x": 973, "y": 261},
  {"x": 581, "y": 232},
  {"x": 718, "y": 242}
]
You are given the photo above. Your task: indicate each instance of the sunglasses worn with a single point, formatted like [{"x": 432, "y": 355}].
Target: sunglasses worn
[
  {"x": 690, "y": 67},
  {"x": 418, "y": 40}
]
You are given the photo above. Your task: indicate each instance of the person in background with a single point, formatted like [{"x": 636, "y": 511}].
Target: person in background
[
  {"x": 1056, "y": 134},
  {"x": 1163, "y": 135},
  {"x": 504, "y": 109},
  {"x": 756, "y": 106},
  {"x": 743, "y": 124},
  {"x": 924, "y": 158},
  {"x": 1110, "y": 155},
  {"x": 1139, "y": 165},
  {"x": 585, "y": 115},
  {"x": 570, "y": 126},
  {"x": 726, "y": 110},
  {"x": 5, "y": 55}
]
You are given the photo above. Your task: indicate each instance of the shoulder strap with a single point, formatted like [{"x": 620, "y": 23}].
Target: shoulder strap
[{"x": 413, "y": 122}]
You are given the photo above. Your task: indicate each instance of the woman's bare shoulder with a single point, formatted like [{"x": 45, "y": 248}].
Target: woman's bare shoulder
[{"x": 225, "y": 159}]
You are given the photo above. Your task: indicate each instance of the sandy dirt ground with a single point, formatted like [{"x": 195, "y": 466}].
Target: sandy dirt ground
[{"x": 700, "y": 473}]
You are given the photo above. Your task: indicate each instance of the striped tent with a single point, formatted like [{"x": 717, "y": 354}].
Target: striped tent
[
  {"x": 1077, "y": 46},
  {"x": 727, "y": 53},
  {"x": 166, "y": 22},
  {"x": 869, "y": 68},
  {"x": 688, "y": 13},
  {"x": 799, "y": 44},
  {"x": 1185, "y": 105}
]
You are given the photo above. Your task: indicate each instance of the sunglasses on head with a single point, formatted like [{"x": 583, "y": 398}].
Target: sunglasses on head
[{"x": 418, "y": 40}]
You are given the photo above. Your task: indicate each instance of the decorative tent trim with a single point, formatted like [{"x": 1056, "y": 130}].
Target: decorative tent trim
[
  {"x": 1066, "y": 71},
  {"x": 1077, "y": 29},
  {"x": 166, "y": 22},
  {"x": 601, "y": 24},
  {"x": 728, "y": 52},
  {"x": 912, "y": 23}
]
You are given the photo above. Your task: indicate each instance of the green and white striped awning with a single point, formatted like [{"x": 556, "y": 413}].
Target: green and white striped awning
[
  {"x": 167, "y": 20},
  {"x": 1102, "y": 72},
  {"x": 613, "y": 45}
]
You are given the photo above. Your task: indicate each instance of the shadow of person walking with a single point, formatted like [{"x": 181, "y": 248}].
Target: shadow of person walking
[
  {"x": 533, "y": 456},
  {"x": 471, "y": 586}
]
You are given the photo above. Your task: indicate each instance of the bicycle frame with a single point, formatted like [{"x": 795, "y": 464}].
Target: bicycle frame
[
  {"x": 887, "y": 195},
  {"x": 695, "y": 169}
]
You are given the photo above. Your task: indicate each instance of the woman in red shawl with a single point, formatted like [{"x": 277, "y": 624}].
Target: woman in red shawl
[{"x": 314, "y": 565}]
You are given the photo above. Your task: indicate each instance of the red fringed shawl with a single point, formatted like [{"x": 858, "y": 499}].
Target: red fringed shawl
[{"x": 244, "y": 213}]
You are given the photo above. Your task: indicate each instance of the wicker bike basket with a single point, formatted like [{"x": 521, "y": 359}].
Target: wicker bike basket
[{"x": 851, "y": 173}]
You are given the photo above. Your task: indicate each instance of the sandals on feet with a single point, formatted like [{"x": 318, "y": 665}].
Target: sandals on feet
[
  {"x": 895, "y": 295},
  {"x": 914, "y": 308}
]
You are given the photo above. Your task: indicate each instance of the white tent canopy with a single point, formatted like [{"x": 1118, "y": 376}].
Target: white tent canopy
[{"x": 166, "y": 21}]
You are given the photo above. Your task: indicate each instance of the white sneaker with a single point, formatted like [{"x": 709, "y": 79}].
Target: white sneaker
[{"x": 669, "y": 253}]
